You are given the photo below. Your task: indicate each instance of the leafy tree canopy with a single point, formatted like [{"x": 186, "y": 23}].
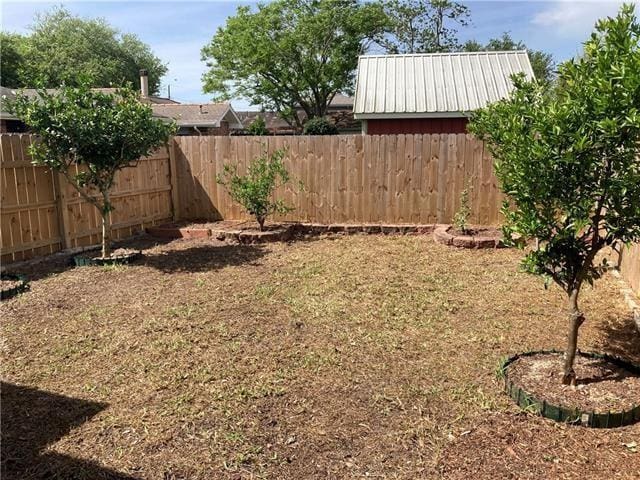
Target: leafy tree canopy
[
  {"x": 541, "y": 62},
  {"x": 319, "y": 126},
  {"x": 568, "y": 160},
  {"x": 88, "y": 136},
  {"x": 63, "y": 48},
  {"x": 258, "y": 127},
  {"x": 290, "y": 54},
  {"x": 12, "y": 48},
  {"x": 422, "y": 26}
]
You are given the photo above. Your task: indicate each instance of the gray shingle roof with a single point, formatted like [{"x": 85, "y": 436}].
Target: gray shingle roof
[
  {"x": 198, "y": 115},
  {"x": 422, "y": 85}
]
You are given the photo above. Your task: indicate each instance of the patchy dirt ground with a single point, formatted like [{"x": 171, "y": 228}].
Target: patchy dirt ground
[{"x": 345, "y": 357}]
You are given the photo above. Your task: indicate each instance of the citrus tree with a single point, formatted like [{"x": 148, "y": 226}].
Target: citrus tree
[
  {"x": 568, "y": 160},
  {"x": 89, "y": 136},
  {"x": 255, "y": 190}
]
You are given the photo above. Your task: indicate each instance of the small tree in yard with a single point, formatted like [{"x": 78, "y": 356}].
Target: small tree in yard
[
  {"x": 98, "y": 133},
  {"x": 568, "y": 160},
  {"x": 461, "y": 218},
  {"x": 254, "y": 191}
]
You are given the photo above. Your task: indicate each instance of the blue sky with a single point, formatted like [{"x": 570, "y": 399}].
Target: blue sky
[{"x": 176, "y": 31}]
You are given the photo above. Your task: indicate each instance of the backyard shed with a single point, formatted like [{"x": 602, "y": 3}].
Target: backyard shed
[{"x": 431, "y": 93}]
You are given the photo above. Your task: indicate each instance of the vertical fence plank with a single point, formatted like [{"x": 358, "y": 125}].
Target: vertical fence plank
[{"x": 351, "y": 178}]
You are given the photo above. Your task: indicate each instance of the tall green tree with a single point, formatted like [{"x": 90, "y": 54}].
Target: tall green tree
[
  {"x": 568, "y": 159},
  {"x": 89, "y": 136},
  {"x": 422, "y": 26},
  {"x": 62, "y": 48},
  {"x": 542, "y": 63},
  {"x": 290, "y": 54},
  {"x": 12, "y": 48}
]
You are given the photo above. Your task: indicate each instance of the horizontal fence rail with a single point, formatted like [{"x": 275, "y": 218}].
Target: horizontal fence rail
[
  {"x": 347, "y": 178},
  {"x": 41, "y": 213}
]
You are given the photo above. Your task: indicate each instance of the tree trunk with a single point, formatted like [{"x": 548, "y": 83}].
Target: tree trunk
[
  {"x": 576, "y": 318},
  {"x": 261, "y": 222},
  {"x": 106, "y": 225}
]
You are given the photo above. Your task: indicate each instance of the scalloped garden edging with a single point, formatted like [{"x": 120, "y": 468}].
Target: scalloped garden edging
[
  {"x": 443, "y": 234},
  {"x": 285, "y": 232},
  {"x": 561, "y": 413},
  {"x": 22, "y": 286}
]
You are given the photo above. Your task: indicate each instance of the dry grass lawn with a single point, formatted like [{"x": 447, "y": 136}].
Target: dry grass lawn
[{"x": 345, "y": 357}]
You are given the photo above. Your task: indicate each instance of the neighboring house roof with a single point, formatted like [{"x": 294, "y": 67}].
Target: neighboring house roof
[
  {"x": 272, "y": 120},
  {"x": 340, "y": 102},
  {"x": 10, "y": 93},
  {"x": 6, "y": 94},
  {"x": 199, "y": 115},
  {"x": 434, "y": 85}
]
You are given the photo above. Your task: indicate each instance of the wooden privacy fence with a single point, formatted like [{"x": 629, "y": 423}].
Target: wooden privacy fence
[
  {"x": 41, "y": 213},
  {"x": 347, "y": 178},
  {"x": 629, "y": 264}
]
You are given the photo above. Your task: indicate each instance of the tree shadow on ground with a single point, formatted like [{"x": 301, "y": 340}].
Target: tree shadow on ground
[
  {"x": 43, "y": 267},
  {"x": 621, "y": 338},
  {"x": 34, "y": 419},
  {"x": 204, "y": 257}
]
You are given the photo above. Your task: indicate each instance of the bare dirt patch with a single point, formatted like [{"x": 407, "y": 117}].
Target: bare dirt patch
[
  {"x": 602, "y": 386},
  {"x": 340, "y": 357}
]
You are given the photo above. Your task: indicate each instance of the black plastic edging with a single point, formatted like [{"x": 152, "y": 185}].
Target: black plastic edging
[
  {"x": 12, "y": 292},
  {"x": 561, "y": 413}
]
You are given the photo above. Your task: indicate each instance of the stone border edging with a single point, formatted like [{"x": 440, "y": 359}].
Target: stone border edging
[
  {"x": 442, "y": 235},
  {"x": 12, "y": 292},
  {"x": 288, "y": 231},
  {"x": 560, "y": 413}
]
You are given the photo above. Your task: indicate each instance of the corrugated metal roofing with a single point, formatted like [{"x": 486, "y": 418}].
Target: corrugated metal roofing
[{"x": 436, "y": 83}]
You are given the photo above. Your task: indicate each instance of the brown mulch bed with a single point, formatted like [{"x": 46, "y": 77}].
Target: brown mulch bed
[
  {"x": 7, "y": 284},
  {"x": 340, "y": 357},
  {"x": 116, "y": 254},
  {"x": 601, "y": 387},
  {"x": 475, "y": 231},
  {"x": 243, "y": 226}
]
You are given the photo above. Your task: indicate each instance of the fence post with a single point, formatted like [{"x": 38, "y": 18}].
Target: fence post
[
  {"x": 63, "y": 210},
  {"x": 173, "y": 174}
]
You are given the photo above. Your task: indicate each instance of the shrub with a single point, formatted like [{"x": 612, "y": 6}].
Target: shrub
[
  {"x": 319, "y": 126},
  {"x": 258, "y": 127},
  {"x": 254, "y": 191},
  {"x": 98, "y": 132},
  {"x": 568, "y": 160},
  {"x": 461, "y": 218}
]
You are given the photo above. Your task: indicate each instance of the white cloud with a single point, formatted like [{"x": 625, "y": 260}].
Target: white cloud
[{"x": 569, "y": 17}]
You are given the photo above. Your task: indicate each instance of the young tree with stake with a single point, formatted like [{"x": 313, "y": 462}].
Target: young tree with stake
[
  {"x": 568, "y": 160},
  {"x": 89, "y": 136}
]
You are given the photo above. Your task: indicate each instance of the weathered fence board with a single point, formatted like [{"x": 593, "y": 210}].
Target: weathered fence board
[
  {"x": 41, "y": 213},
  {"x": 629, "y": 264},
  {"x": 347, "y": 178}
]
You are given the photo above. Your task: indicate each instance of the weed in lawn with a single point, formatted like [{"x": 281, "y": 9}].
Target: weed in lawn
[{"x": 182, "y": 311}]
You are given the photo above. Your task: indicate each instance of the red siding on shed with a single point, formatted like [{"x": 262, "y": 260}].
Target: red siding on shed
[{"x": 417, "y": 125}]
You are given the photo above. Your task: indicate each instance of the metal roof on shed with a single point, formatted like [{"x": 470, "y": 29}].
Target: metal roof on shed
[{"x": 434, "y": 84}]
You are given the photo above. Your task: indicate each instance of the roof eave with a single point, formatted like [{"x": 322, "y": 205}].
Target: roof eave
[{"x": 401, "y": 115}]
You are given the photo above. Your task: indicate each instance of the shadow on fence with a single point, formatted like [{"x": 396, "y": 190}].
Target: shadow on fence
[{"x": 621, "y": 338}]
